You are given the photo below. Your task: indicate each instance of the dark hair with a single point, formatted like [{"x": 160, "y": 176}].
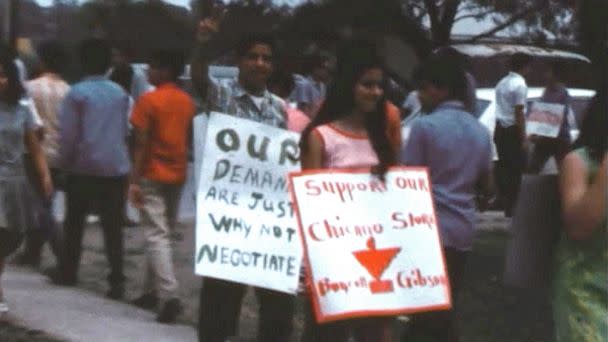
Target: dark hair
[
  {"x": 520, "y": 61},
  {"x": 124, "y": 47},
  {"x": 170, "y": 60},
  {"x": 316, "y": 61},
  {"x": 353, "y": 59},
  {"x": 248, "y": 41},
  {"x": 53, "y": 56},
  {"x": 282, "y": 79},
  {"x": 15, "y": 89},
  {"x": 123, "y": 76},
  {"x": 95, "y": 56},
  {"x": 444, "y": 72},
  {"x": 594, "y": 130}
]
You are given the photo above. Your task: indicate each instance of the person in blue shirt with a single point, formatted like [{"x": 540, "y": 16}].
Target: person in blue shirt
[
  {"x": 457, "y": 150},
  {"x": 93, "y": 154}
]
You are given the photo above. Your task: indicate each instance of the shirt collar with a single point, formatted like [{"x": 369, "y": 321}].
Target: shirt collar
[
  {"x": 451, "y": 104},
  {"x": 167, "y": 85},
  {"x": 239, "y": 91},
  {"x": 514, "y": 74},
  {"x": 99, "y": 77}
]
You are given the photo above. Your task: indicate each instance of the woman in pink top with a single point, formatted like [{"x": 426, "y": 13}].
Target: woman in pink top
[{"x": 355, "y": 128}]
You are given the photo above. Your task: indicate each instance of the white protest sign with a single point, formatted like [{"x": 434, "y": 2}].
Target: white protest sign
[
  {"x": 199, "y": 129},
  {"x": 545, "y": 119},
  {"x": 245, "y": 225},
  {"x": 372, "y": 248}
]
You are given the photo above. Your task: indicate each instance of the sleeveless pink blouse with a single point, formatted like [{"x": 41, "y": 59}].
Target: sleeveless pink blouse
[{"x": 345, "y": 150}]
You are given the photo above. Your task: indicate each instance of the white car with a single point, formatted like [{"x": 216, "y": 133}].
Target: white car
[{"x": 485, "y": 111}]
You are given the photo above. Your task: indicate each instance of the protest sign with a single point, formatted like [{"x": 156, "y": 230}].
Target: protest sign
[
  {"x": 199, "y": 129},
  {"x": 372, "y": 248},
  {"x": 245, "y": 227},
  {"x": 545, "y": 119}
]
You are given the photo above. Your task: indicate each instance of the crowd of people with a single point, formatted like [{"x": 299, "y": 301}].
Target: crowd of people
[{"x": 119, "y": 135}]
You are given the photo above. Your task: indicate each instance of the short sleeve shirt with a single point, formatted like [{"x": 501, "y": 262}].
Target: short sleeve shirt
[
  {"x": 166, "y": 113},
  {"x": 229, "y": 97},
  {"x": 511, "y": 91},
  {"x": 47, "y": 93},
  {"x": 457, "y": 150},
  {"x": 15, "y": 121}
]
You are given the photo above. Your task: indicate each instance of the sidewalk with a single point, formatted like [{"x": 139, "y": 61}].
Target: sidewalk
[{"x": 74, "y": 314}]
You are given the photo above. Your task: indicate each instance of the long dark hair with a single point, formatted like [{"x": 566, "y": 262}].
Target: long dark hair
[
  {"x": 15, "y": 89},
  {"x": 594, "y": 130},
  {"x": 354, "y": 58}
]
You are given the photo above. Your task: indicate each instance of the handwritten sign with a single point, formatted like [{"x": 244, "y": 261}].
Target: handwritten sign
[
  {"x": 545, "y": 119},
  {"x": 372, "y": 248},
  {"x": 245, "y": 228}
]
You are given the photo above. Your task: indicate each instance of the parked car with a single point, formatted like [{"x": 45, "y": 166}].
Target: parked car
[{"x": 485, "y": 111}]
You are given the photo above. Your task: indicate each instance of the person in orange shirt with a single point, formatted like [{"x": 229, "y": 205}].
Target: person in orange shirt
[{"x": 161, "y": 120}]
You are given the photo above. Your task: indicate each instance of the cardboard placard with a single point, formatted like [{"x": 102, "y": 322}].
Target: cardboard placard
[
  {"x": 245, "y": 228},
  {"x": 545, "y": 119},
  {"x": 372, "y": 248}
]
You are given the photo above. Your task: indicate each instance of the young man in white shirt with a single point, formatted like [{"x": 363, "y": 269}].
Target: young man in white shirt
[{"x": 510, "y": 133}]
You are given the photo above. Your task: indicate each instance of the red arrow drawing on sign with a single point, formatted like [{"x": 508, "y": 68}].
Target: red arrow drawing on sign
[{"x": 376, "y": 261}]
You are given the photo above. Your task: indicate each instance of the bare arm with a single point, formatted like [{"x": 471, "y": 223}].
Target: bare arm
[
  {"x": 199, "y": 71},
  {"x": 44, "y": 175},
  {"x": 583, "y": 205},
  {"x": 312, "y": 158},
  {"x": 139, "y": 155}
]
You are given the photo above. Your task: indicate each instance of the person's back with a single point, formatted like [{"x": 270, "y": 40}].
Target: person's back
[
  {"x": 47, "y": 92},
  {"x": 168, "y": 111},
  {"x": 95, "y": 111},
  {"x": 457, "y": 151},
  {"x": 511, "y": 90}
]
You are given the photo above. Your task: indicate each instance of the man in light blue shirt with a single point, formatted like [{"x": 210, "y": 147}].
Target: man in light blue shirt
[
  {"x": 93, "y": 153},
  {"x": 457, "y": 150}
]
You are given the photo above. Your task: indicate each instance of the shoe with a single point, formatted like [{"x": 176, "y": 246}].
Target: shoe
[
  {"x": 168, "y": 314},
  {"x": 147, "y": 301},
  {"x": 116, "y": 293},
  {"x": 24, "y": 259},
  {"x": 58, "y": 279}
]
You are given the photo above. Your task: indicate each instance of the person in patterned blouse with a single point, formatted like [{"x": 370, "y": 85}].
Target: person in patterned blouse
[{"x": 245, "y": 97}]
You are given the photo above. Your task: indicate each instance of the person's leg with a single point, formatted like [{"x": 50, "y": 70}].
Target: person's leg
[
  {"x": 512, "y": 161},
  {"x": 219, "y": 309},
  {"x": 78, "y": 197},
  {"x": 111, "y": 204},
  {"x": 500, "y": 173},
  {"x": 441, "y": 326},
  {"x": 515, "y": 165},
  {"x": 158, "y": 198},
  {"x": 276, "y": 315},
  {"x": 338, "y": 331},
  {"x": 373, "y": 329}
]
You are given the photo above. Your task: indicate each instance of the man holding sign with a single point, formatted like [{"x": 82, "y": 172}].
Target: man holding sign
[
  {"x": 555, "y": 95},
  {"x": 246, "y": 97},
  {"x": 457, "y": 150}
]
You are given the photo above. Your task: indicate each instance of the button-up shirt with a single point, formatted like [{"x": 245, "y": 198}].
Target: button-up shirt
[
  {"x": 47, "y": 92},
  {"x": 511, "y": 91},
  {"x": 229, "y": 97},
  {"x": 457, "y": 150},
  {"x": 93, "y": 129}
]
